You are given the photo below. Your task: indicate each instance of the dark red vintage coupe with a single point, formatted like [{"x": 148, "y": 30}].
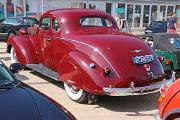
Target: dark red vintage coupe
[{"x": 85, "y": 50}]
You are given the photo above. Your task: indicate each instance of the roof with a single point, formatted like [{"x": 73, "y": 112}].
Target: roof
[
  {"x": 74, "y": 10},
  {"x": 70, "y": 17}
]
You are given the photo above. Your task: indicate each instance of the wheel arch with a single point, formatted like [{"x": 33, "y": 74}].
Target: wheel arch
[
  {"x": 172, "y": 114},
  {"x": 26, "y": 53},
  {"x": 86, "y": 77}
]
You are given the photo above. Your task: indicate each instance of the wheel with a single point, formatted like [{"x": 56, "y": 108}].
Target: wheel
[
  {"x": 175, "y": 116},
  {"x": 13, "y": 56},
  {"x": 76, "y": 94}
]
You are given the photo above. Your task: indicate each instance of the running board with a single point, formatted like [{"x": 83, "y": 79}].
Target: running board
[{"x": 43, "y": 70}]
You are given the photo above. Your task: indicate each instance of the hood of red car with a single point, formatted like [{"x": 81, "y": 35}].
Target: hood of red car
[{"x": 119, "y": 50}]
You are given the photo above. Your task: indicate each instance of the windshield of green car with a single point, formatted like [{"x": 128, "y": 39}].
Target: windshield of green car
[
  {"x": 11, "y": 21},
  {"x": 5, "y": 76},
  {"x": 175, "y": 42}
]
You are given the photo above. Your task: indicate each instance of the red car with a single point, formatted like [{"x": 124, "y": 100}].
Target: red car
[
  {"x": 85, "y": 50},
  {"x": 169, "y": 103}
]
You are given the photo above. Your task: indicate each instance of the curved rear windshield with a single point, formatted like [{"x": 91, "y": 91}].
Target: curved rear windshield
[
  {"x": 95, "y": 22},
  {"x": 175, "y": 42}
]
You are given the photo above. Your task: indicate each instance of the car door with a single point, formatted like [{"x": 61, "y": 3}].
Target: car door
[
  {"x": 46, "y": 36},
  {"x": 59, "y": 46}
]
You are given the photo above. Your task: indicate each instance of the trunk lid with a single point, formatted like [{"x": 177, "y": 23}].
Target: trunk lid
[{"x": 119, "y": 50}]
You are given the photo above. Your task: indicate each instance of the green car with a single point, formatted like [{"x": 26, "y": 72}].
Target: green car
[{"x": 167, "y": 47}]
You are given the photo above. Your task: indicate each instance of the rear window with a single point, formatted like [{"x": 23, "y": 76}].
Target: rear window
[
  {"x": 175, "y": 42},
  {"x": 163, "y": 24},
  {"x": 95, "y": 22}
]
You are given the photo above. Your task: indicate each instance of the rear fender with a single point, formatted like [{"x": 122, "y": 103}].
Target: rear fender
[
  {"x": 25, "y": 50},
  {"x": 74, "y": 69}
]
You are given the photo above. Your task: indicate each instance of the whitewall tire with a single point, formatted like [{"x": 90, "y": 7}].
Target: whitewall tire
[
  {"x": 75, "y": 94},
  {"x": 13, "y": 56}
]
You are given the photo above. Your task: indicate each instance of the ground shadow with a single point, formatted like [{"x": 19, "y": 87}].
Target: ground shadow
[
  {"x": 5, "y": 58},
  {"x": 3, "y": 40},
  {"x": 49, "y": 80},
  {"x": 134, "y": 104},
  {"x": 21, "y": 77},
  {"x": 3, "y": 52}
]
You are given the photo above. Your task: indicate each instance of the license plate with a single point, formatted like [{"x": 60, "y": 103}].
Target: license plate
[{"x": 143, "y": 59}]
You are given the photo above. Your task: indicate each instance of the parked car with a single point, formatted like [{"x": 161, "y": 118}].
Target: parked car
[
  {"x": 85, "y": 50},
  {"x": 156, "y": 27},
  {"x": 10, "y": 26},
  {"x": 167, "y": 47},
  {"x": 21, "y": 102},
  {"x": 168, "y": 103}
]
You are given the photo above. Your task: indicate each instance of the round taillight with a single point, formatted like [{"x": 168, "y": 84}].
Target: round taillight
[
  {"x": 168, "y": 62},
  {"x": 106, "y": 71},
  {"x": 161, "y": 58}
]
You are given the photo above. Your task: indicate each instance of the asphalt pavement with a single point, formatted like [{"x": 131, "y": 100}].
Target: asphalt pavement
[{"x": 107, "y": 108}]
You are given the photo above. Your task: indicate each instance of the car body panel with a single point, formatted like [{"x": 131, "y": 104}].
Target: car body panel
[
  {"x": 25, "y": 50},
  {"x": 174, "y": 57},
  {"x": 28, "y": 105},
  {"x": 21, "y": 102},
  {"x": 47, "y": 110},
  {"x": 71, "y": 51},
  {"x": 170, "y": 103},
  {"x": 22, "y": 107}
]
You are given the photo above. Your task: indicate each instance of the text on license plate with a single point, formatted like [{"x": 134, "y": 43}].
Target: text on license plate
[{"x": 143, "y": 59}]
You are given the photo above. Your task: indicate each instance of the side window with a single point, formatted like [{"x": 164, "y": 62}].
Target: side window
[
  {"x": 45, "y": 24},
  {"x": 56, "y": 25}
]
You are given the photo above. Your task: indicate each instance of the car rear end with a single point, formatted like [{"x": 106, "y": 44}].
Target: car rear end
[{"x": 139, "y": 69}]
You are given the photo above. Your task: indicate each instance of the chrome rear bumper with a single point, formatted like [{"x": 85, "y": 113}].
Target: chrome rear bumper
[{"x": 136, "y": 90}]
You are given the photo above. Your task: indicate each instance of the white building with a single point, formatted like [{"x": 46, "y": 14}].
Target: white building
[{"x": 138, "y": 13}]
